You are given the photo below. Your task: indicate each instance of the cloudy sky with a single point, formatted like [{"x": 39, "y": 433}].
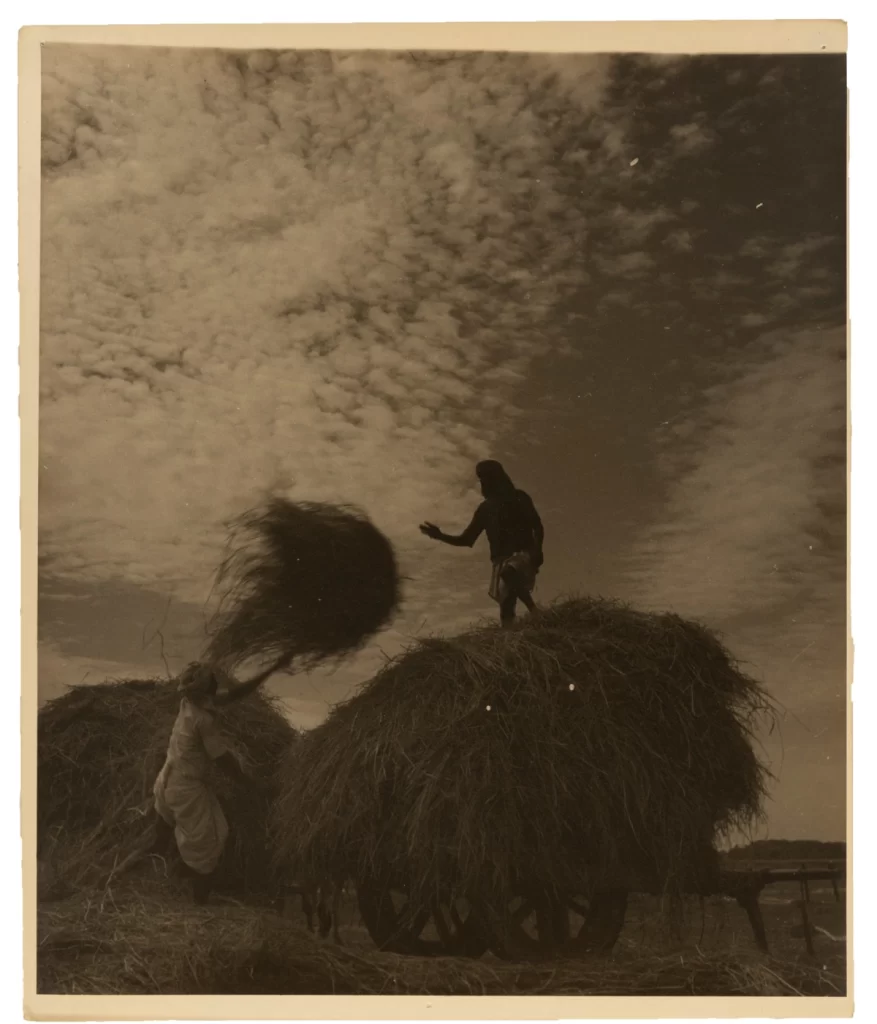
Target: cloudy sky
[{"x": 348, "y": 276}]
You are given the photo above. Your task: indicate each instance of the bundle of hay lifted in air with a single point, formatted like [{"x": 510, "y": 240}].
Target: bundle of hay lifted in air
[
  {"x": 591, "y": 747},
  {"x": 307, "y": 581},
  {"x": 99, "y": 751}
]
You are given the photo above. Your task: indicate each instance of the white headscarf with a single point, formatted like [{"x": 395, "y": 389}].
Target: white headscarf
[{"x": 199, "y": 680}]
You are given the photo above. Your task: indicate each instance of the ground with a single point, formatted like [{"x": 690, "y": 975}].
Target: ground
[{"x": 143, "y": 936}]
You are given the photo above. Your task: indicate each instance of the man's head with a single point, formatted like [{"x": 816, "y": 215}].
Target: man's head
[
  {"x": 495, "y": 482},
  {"x": 199, "y": 683}
]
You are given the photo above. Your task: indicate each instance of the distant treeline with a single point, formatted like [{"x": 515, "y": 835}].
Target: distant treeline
[{"x": 789, "y": 849}]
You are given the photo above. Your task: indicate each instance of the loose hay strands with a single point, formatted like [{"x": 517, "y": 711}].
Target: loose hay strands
[
  {"x": 617, "y": 746},
  {"x": 100, "y": 749},
  {"x": 148, "y": 940},
  {"x": 308, "y": 581}
]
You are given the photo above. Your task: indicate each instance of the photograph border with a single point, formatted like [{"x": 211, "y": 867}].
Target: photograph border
[{"x": 668, "y": 37}]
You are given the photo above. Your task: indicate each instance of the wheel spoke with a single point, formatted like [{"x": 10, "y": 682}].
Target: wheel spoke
[
  {"x": 412, "y": 919},
  {"x": 560, "y": 922},
  {"x": 603, "y": 923},
  {"x": 544, "y": 923},
  {"x": 521, "y": 914},
  {"x": 441, "y": 925},
  {"x": 552, "y": 922},
  {"x": 576, "y": 907}
]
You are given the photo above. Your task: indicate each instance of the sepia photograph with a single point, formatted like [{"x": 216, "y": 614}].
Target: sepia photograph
[{"x": 442, "y": 522}]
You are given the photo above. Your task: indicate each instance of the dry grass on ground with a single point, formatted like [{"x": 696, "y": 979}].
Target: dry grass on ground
[{"x": 144, "y": 937}]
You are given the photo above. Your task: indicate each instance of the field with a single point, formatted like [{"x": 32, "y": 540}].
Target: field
[
  {"x": 579, "y": 772},
  {"x": 143, "y": 936}
]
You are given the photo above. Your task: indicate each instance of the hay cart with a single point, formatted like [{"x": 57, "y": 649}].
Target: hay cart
[
  {"x": 569, "y": 924},
  {"x": 507, "y": 790}
]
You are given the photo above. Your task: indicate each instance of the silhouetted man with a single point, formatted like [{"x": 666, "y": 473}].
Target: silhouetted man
[{"x": 514, "y": 533}]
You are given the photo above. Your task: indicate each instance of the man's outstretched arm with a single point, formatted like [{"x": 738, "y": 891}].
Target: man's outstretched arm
[{"x": 462, "y": 540}]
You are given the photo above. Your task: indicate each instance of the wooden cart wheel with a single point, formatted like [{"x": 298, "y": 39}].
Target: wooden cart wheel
[
  {"x": 541, "y": 925},
  {"x": 439, "y": 928},
  {"x": 602, "y": 922}
]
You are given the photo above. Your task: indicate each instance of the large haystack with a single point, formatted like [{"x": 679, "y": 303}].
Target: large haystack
[
  {"x": 592, "y": 747},
  {"x": 99, "y": 751}
]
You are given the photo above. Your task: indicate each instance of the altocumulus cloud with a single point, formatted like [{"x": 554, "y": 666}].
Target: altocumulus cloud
[
  {"x": 752, "y": 535},
  {"x": 320, "y": 274},
  {"x": 751, "y": 539},
  {"x": 759, "y": 480}
]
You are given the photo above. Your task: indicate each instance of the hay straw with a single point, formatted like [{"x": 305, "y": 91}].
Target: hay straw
[
  {"x": 99, "y": 751},
  {"x": 616, "y": 748},
  {"x": 147, "y": 940},
  {"x": 306, "y": 581}
]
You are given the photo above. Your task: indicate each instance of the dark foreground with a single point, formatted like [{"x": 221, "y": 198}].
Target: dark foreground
[{"x": 143, "y": 937}]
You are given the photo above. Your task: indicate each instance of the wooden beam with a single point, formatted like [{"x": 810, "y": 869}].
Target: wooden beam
[
  {"x": 805, "y": 921},
  {"x": 749, "y": 902}
]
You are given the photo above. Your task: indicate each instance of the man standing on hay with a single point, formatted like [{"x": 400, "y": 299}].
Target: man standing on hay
[
  {"x": 515, "y": 534},
  {"x": 187, "y": 808}
]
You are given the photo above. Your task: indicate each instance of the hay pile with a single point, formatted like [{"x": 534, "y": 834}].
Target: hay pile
[
  {"x": 591, "y": 746},
  {"x": 149, "y": 940},
  {"x": 307, "y": 581},
  {"x": 99, "y": 750}
]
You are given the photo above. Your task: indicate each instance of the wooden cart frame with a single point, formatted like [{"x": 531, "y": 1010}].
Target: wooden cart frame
[{"x": 565, "y": 924}]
